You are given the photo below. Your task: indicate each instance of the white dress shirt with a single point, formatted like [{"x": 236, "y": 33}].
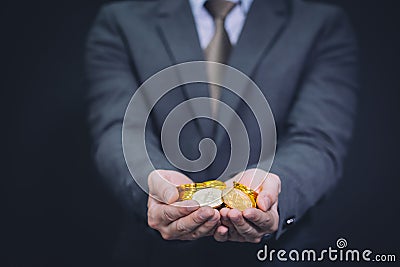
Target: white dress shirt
[{"x": 233, "y": 24}]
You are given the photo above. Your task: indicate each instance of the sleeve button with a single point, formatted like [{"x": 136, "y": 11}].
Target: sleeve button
[{"x": 290, "y": 221}]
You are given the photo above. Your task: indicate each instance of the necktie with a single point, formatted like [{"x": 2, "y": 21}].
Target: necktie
[{"x": 220, "y": 46}]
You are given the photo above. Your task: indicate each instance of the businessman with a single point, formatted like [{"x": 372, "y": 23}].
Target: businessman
[{"x": 302, "y": 56}]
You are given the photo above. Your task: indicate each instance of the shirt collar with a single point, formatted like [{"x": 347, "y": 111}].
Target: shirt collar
[{"x": 244, "y": 4}]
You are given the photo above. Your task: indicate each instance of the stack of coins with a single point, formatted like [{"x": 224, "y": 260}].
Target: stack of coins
[
  {"x": 186, "y": 191},
  {"x": 208, "y": 193},
  {"x": 215, "y": 194}
]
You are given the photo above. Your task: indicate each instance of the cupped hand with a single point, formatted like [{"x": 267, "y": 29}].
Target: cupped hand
[
  {"x": 252, "y": 224},
  {"x": 174, "y": 220}
]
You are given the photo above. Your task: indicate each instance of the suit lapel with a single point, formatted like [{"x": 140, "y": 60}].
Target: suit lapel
[
  {"x": 178, "y": 31},
  {"x": 176, "y": 27},
  {"x": 265, "y": 20}
]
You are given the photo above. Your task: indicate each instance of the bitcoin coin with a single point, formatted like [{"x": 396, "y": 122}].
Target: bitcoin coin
[
  {"x": 245, "y": 189},
  {"x": 237, "y": 199},
  {"x": 208, "y": 197},
  {"x": 187, "y": 191}
]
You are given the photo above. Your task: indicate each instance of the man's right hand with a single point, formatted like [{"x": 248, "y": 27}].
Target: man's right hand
[{"x": 177, "y": 220}]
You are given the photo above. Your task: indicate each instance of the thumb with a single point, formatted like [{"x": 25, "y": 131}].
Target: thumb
[
  {"x": 269, "y": 193},
  {"x": 161, "y": 189}
]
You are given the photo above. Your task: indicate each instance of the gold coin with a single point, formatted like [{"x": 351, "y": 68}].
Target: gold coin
[
  {"x": 237, "y": 199},
  {"x": 186, "y": 191},
  {"x": 245, "y": 189},
  {"x": 186, "y": 194},
  {"x": 215, "y": 184},
  {"x": 208, "y": 197},
  {"x": 186, "y": 186}
]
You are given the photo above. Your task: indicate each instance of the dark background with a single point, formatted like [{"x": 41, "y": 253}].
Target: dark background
[{"x": 57, "y": 213}]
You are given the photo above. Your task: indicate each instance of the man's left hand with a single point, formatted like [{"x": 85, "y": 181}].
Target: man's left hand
[{"x": 252, "y": 224}]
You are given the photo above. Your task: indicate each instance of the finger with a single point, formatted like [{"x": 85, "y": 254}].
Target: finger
[
  {"x": 270, "y": 190},
  {"x": 191, "y": 222},
  {"x": 221, "y": 234},
  {"x": 232, "y": 235},
  {"x": 226, "y": 222},
  {"x": 171, "y": 213},
  {"x": 243, "y": 227},
  {"x": 262, "y": 220},
  {"x": 273, "y": 213},
  {"x": 150, "y": 201},
  {"x": 208, "y": 228},
  {"x": 161, "y": 189},
  {"x": 224, "y": 218}
]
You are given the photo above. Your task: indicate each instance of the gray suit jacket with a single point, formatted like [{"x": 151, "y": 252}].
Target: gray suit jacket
[{"x": 302, "y": 55}]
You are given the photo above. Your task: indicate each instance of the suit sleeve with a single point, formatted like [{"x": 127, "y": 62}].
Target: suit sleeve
[
  {"x": 111, "y": 80},
  {"x": 310, "y": 154}
]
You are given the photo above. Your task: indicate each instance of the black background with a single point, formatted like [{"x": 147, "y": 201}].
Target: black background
[{"x": 57, "y": 213}]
